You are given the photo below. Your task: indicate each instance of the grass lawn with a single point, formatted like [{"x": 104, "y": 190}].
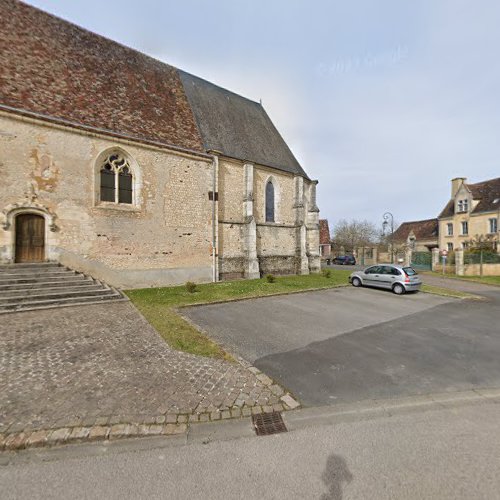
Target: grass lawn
[
  {"x": 158, "y": 305},
  {"x": 437, "y": 290},
  {"x": 488, "y": 280}
]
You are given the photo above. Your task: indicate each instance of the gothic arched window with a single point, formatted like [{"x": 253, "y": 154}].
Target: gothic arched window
[
  {"x": 117, "y": 183},
  {"x": 269, "y": 201}
]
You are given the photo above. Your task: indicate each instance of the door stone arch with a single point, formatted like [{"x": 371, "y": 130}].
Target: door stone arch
[{"x": 27, "y": 226}]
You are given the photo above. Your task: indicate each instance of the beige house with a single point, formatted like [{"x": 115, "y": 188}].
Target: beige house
[
  {"x": 418, "y": 236},
  {"x": 128, "y": 169},
  {"x": 471, "y": 216}
]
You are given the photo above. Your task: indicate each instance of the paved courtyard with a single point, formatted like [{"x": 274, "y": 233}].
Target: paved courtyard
[
  {"x": 104, "y": 364},
  {"x": 346, "y": 345}
]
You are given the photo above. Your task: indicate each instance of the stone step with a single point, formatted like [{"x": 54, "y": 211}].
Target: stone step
[
  {"x": 46, "y": 285},
  {"x": 12, "y": 280},
  {"x": 78, "y": 280},
  {"x": 90, "y": 286},
  {"x": 61, "y": 294},
  {"x": 49, "y": 304},
  {"x": 29, "y": 265},
  {"x": 52, "y": 270}
]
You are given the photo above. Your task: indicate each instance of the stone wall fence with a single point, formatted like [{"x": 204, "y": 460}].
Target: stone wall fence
[{"x": 464, "y": 265}]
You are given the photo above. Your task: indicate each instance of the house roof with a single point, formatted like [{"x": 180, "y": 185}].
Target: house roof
[
  {"x": 324, "y": 232},
  {"x": 485, "y": 192},
  {"x": 56, "y": 69},
  {"x": 236, "y": 126},
  {"x": 422, "y": 229}
]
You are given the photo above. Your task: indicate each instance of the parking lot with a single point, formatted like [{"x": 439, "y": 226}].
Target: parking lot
[{"x": 346, "y": 344}]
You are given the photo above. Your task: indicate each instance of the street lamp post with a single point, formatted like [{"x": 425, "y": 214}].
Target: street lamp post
[{"x": 389, "y": 217}]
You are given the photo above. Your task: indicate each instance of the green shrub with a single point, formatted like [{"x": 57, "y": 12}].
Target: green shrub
[
  {"x": 270, "y": 278},
  {"x": 190, "y": 287},
  {"x": 327, "y": 273}
]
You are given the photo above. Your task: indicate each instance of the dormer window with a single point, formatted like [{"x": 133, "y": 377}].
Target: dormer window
[{"x": 463, "y": 206}]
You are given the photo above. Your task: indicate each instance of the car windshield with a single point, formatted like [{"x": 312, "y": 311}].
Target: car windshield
[{"x": 409, "y": 271}]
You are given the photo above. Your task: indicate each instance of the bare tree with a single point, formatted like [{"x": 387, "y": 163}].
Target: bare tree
[{"x": 354, "y": 234}]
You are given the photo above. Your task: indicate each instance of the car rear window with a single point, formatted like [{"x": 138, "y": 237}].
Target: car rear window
[{"x": 409, "y": 271}]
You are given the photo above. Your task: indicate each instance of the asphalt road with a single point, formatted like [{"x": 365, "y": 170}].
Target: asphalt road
[
  {"x": 347, "y": 344},
  {"x": 448, "y": 452}
]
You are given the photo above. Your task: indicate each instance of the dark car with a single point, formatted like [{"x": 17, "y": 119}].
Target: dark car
[{"x": 345, "y": 260}]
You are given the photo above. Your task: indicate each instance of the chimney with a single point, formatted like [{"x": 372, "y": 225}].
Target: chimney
[{"x": 456, "y": 183}]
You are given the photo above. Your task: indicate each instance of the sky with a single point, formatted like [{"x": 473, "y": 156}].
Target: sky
[{"x": 383, "y": 102}]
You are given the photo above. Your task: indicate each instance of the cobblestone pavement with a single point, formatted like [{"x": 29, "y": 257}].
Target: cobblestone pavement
[{"x": 104, "y": 366}]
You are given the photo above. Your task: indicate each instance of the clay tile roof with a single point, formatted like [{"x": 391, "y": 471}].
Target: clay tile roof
[
  {"x": 486, "y": 192},
  {"x": 237, "y": 127},
  {"x": 52, "y": 67},
  {"x": 422, "y": 229},
  {"x": 324, "y": 232},
  {"x": 448, "y": 210}
]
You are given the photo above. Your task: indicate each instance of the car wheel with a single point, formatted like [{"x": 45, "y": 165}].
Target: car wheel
[
  {"x": 356, "y": 282},
  {"x": 398, "y": 289}
]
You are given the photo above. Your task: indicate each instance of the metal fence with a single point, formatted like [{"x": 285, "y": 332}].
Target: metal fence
[{"x": 481, "y": 257}]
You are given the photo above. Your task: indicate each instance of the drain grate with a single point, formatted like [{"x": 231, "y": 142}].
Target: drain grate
[{"x": 268, "y": 423}]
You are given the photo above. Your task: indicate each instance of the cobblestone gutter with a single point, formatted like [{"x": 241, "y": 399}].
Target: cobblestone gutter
[{"x": 168, "y": 425}]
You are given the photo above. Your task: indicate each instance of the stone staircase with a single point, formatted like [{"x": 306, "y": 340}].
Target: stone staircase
[{"x": 24, "y": 287}]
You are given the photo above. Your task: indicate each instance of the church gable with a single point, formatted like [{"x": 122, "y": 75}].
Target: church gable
[{"x": 237, "y": 127}]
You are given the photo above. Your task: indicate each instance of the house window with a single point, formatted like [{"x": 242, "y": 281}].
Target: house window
[
  {"x": 450, "y": 229},
  {"x": 463, "y": 206},
  {"x": 465, "y": 245},
  {"x": 465, "y": 227},
  {"x": 493, "y": 225},
  {"x": 269, "y": 201},
  {"x": 450, "y": 247},
  {"x": 117, "y": 184}
]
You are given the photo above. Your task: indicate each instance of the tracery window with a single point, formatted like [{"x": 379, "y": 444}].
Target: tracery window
[
  {"x": 117, "y": 185},
  {"x": 269, "y": 201}
]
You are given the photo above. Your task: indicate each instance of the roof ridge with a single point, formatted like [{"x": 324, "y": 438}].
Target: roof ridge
[
  {"x": 93, "y": 33},
  {"x": 482, "y": 182},
  {"x": 422, "y": 220},
  {"x": 220, "y": 87}
]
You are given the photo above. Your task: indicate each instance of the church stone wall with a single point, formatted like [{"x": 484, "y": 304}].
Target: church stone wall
[
  {"x": 284, "y": 194},
  {"x": 231, "y": 189},
  {"x": 51, "y": 170},
  {"x": 244, "y": 235}
]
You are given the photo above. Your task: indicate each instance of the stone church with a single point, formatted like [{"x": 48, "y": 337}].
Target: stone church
[{"x": 139, "y": 174}]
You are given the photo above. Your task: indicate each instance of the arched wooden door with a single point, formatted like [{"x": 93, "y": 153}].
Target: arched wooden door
[{"x": 30, "y": 238}]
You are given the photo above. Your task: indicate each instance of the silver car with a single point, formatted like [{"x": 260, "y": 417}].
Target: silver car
[{"x": 399, "y": 279}]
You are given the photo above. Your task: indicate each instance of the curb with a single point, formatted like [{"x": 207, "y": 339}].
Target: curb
[
  {"x": 243, "y": 299},
  {"x": 170, "y": 425}
]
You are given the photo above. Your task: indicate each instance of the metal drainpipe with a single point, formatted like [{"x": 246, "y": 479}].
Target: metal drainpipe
[{"x": 215, "y": 164}]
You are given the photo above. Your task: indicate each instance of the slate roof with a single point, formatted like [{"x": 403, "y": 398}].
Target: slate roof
[
  {"x": 422, "y": 229},
  {"x": 486, "y": 192},
  {"x": 324, "y": 232},
  {"x": 54, "y": 68},
  {"x": 237, "y": 127}
]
